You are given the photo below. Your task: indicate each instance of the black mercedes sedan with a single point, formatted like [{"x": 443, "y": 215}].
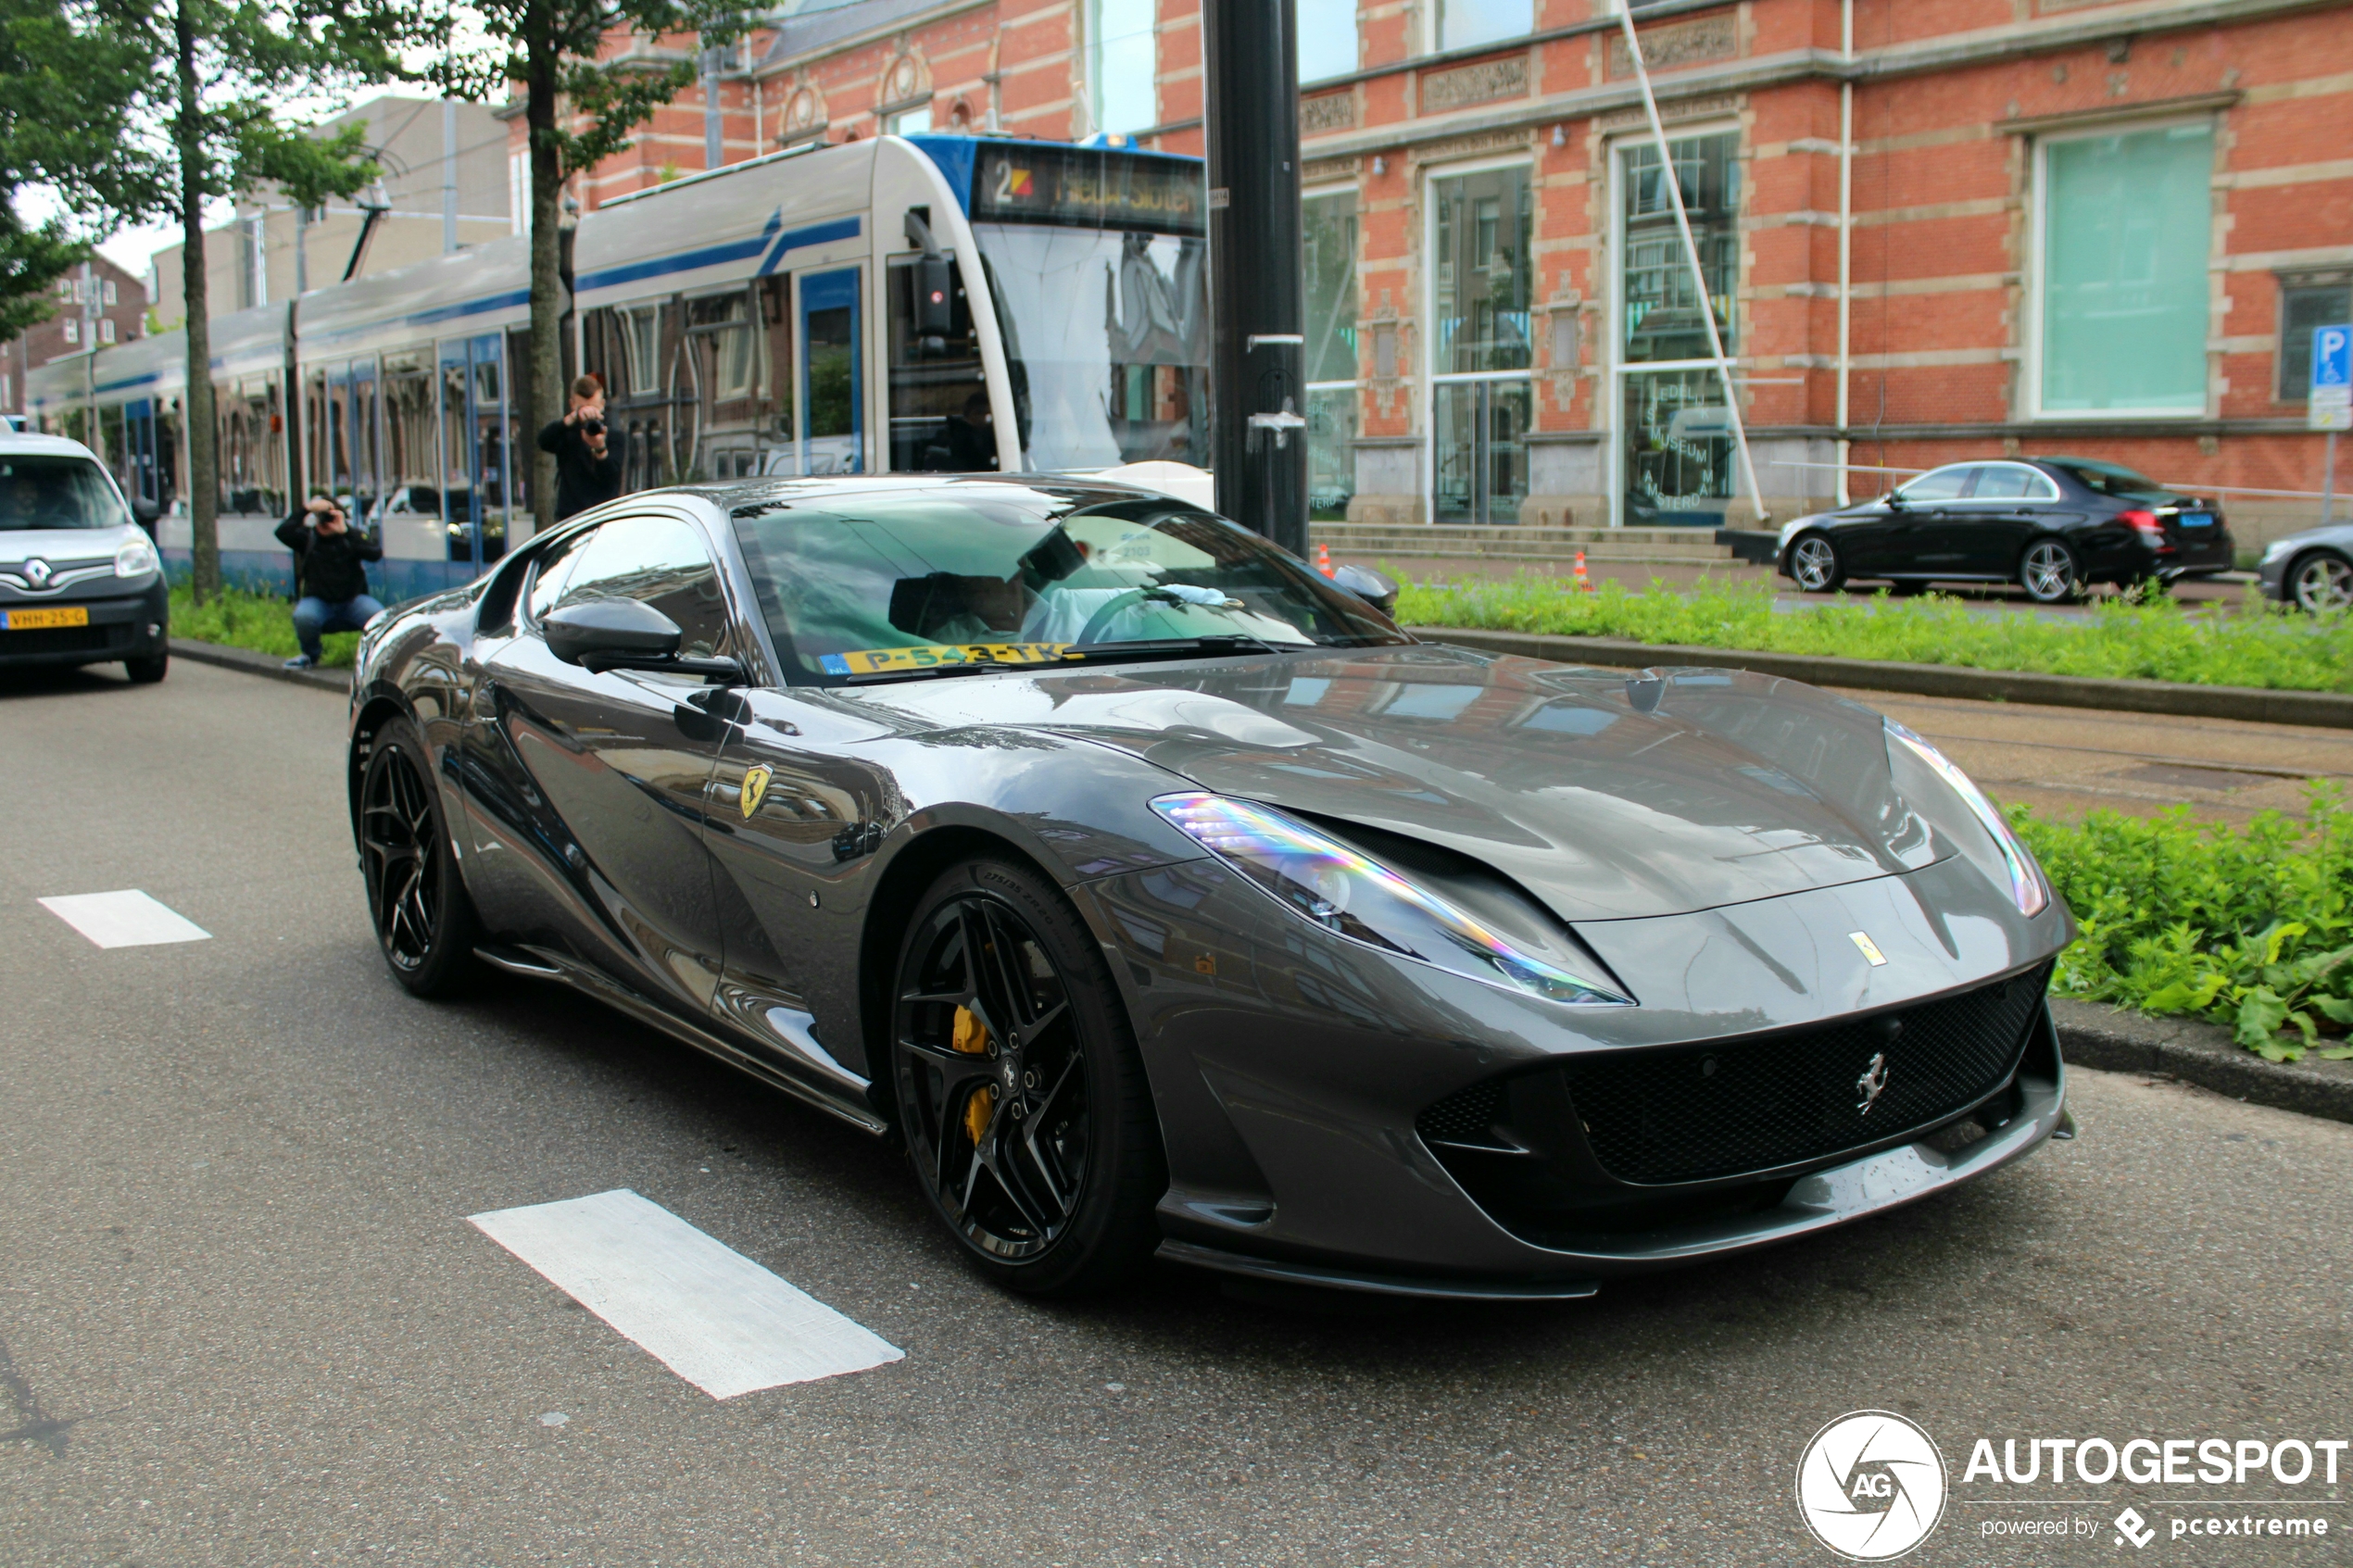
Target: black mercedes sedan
[
  {"x": 2051, "y": 525},
  {"x": 1161, "y": 896}
]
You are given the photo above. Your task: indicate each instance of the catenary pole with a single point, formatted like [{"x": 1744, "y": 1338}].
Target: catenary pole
[
  {"x": 1690, "y": 255},
  {"x": 1258, "y": 434}
]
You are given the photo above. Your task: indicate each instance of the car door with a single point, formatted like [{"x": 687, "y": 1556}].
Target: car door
[
  {"x": 1983, "y": 533},
  {"x": 616, "y": 768},
  {"x": 799, "y": 814},
  {"x": 1893, "y": 543}
]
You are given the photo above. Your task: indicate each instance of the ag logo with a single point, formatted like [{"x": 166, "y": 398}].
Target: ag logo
[
  {"x": 755, "y": 787},
  {"x": 1870, "y": 1486}
]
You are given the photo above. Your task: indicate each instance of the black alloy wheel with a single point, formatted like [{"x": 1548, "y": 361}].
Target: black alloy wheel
[
  {"x": 424, "y": 920},
  {"x": 2321, "y": 581},
  {"x": 2049, "y": 572},
  {"x": 1020, "y": 1092},
  {"x": 1813, "y": 562}
]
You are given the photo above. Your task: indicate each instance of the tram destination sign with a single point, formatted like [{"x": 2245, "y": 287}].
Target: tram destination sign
[{"x": 1089, "y": 188}]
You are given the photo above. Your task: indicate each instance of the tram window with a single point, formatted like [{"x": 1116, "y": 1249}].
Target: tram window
[
  {"x": 833, "y": 389},
  {"x": 641, "y": 330},
  {"x": 939, "y": 418}
]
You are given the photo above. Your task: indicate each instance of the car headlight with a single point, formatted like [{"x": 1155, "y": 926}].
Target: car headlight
[
  {"x": 2026, "y": 883},
  {"x": 1346, "y": 892},
  {"x": 136, "y": 559},
  {"x": 2277, "y": 548}
]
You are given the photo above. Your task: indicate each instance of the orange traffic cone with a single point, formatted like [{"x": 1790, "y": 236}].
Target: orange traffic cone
[
  {"x": 1324, "y": 559},
  {"x": 1584, "y": 583}
]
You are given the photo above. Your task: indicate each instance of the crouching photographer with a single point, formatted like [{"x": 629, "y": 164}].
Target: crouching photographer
[{"x": 330, "y": 575}]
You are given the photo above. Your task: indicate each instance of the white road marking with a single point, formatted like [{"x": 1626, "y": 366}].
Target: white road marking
[
  {"x": 128, "y": 919},
  {"x": 703, "y": 1310}
]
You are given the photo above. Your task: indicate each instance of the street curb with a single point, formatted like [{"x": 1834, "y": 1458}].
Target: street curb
[
  {"x": 2205, "y": 1054},
  {"x": 2321, "y": 710},
  {"x": 254, "y": 663}
]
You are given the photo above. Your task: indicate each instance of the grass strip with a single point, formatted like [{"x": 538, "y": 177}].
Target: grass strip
[
  {"x": 263, "y": 622},
  {"x": 2252, "y": 646},
  {"x": 2250, "y": 926}
]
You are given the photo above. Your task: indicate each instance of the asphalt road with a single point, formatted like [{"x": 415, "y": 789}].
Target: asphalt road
[{"x": 243, "y": 1319}]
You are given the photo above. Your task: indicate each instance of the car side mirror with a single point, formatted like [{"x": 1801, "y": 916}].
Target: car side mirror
[
  {"x": 601, "y": 634},
  {"x": 1371, "y": 586},
  {"x": 146, "y": 511},
  {"x": 1896, "y": 501},
  {"x": 623, "y": 628}
]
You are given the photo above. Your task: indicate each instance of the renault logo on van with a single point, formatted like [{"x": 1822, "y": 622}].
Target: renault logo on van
[{"x": 37, "y": 572}]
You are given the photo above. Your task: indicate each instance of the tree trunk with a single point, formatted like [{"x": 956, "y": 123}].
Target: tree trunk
[
  {"x": 547, "y": 301},
  {"x": 197, "y": 415}
]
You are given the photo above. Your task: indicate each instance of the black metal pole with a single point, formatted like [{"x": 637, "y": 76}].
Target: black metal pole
[{"x": 1258, "y": 444}]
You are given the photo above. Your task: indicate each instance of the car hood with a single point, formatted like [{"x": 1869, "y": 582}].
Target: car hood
[
  {"x": 1607, "y": 795},
  {"x": 60, "y": 547}
]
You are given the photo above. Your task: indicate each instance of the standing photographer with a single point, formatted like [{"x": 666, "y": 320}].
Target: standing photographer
[
  {"x": 586, "y": 474},
  {"x": 330, "y": 575}
]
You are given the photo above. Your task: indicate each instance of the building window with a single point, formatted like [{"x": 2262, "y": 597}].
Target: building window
[
  {"x": 519, "y": 189},
  {"x": 909, "y": 122},
  {"x": 1326, "y": 39},
  {"x": 73, "y": 330},
  {"x": 2123, "y": 302},
  {"x": 1465, "y": 24},
  {"x": 1482, "y": 398},
  {"x": 1121, "y": 59},
  {"x": 110, "y": 291},
  {"x": 1675, "y": 456},
  {"x": 1329, "y": 229},
  {"x": 2307, "y": 302},
  {"x": 105, "y": 327}
]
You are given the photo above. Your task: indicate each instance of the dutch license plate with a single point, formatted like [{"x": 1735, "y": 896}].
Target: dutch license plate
[
  {"x": 2198, "y": 519},
  {"x": 39, "y": 620}
]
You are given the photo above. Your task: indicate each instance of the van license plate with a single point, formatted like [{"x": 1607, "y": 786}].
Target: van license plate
[{"x": 39, "y": 620}]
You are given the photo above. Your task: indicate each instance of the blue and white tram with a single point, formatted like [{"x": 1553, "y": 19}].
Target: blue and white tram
[{"x": 928, "y": 303}]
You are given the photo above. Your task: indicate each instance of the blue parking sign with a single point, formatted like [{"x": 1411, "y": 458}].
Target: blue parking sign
[{"x": 2333, "y": 358}]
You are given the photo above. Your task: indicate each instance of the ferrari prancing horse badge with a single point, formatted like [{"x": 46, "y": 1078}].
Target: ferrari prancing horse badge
[{"x": 755, "y": 787}]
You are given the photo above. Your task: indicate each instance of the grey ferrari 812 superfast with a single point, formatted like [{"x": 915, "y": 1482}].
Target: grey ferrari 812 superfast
[{"x": 1161, "y": 896}]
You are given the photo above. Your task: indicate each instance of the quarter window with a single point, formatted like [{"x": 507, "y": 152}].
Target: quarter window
[
  {"x": 2012, "y": 481},
  {"x": 2123, "y": 297}
]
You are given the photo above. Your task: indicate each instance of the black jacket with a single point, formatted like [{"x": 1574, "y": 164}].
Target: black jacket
[
  {"x": 328, "y": 566},
  {"x": 583, "y": 479}
]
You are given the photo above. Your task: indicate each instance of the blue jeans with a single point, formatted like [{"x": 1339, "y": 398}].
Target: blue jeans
[{"x": 312, "y": 617}]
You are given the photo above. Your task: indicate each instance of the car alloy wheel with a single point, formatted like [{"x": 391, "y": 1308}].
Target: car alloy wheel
[
  {"x": 2321, "y": 582},
  {"x": 424, "y": 920},
  {"x": 2048, "y": 572},
  {"x": 1018, "y": 1087},
  {"x": 1813, "y": 561}
]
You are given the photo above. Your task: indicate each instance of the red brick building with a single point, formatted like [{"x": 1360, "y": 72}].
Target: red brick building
[
  {"x": 2045, "y": 225},
  {"x": 99, "y": 303}
]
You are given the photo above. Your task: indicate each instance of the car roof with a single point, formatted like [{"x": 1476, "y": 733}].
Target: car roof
[{"x": 53, "y": 445}]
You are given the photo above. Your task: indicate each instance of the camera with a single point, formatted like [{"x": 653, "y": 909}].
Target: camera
[{"x": 592, "y": 426}]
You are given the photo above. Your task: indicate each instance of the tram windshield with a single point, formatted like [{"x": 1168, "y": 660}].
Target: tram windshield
[{"x": 1098, "y": 264}]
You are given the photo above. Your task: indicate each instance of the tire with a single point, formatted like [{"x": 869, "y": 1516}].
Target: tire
[
  {"x": 147, "y": 672},
  {"x": 1816, "y": 564},
  {"x": 2050, "y": 572},
  {"x": 1028, "y": 1122},
  {"x": 2320, "y": 581},
  {"x": 1910, "y": 588},
  {"x": 425, "y": 924}
]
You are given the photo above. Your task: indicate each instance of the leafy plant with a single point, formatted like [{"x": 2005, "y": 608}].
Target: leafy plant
[
  {"x": 263, "y": 622},
  {"x": 2251, "y": 927},
  {"x": 2153, "y": 641}
]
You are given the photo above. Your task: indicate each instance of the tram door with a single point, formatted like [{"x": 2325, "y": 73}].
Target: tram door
[
  {"x": 832, "y": 390},
  {"x": 476, "y": 478},
  {"x": 139, "y": 451}
]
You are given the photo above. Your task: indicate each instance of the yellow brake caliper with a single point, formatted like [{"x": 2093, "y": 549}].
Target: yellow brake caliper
[{"x": 971, "y": 1038}]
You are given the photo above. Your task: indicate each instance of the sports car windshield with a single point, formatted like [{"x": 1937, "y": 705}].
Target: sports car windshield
[
  {"x": 41, "y": 491},
  {"x": 889, "y": 586}
]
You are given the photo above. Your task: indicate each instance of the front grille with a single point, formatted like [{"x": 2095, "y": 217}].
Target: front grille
[
  {"x": 60, "y": 639},
  {"x": 1695, "y": 1114}
]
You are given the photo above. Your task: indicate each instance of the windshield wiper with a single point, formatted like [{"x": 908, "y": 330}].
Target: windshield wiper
[
  {"x": 960, "y": 667},
  {"x": 1211, "y": 641}
]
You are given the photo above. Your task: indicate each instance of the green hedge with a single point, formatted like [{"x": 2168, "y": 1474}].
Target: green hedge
[
  {"x": 2254, "y": 645},
  {"x": 263, "y": 622},
  {"x": 2251, "y": 926}
]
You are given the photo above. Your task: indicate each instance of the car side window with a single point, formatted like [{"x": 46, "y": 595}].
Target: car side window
[
  {"x": 549, "y": 571},
  {"x": 661, "y": 561},
  {"x": 2009, "y": 482},
  {"x": 1941, "y": 484}
]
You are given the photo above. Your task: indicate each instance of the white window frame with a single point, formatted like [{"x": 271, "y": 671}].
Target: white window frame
[
  {"x": 1615, "y": 364},
  {"x": 2032, "y": 361},
  {"x": 1432, "y": 378}
]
